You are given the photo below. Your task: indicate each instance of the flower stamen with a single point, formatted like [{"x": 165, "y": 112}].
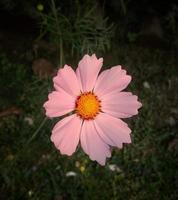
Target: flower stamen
[{"x": 87, "y": 105}]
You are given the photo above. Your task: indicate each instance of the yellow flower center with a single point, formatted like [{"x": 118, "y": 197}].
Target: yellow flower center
[{"x": 87, "y": 105}]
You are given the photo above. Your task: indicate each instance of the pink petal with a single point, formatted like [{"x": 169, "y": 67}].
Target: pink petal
[
  {"x": 87, "y": 71},
  {"x": 66, "y": 134},
  {"x": 121, "y": 105},
  {"x": 92, "y": 144},
  {"x": 67, "y": 80},
  {"x": 112, "y": 80},
  {"x": 59, "y": 103},
  {"x": 113, "y": 131}
]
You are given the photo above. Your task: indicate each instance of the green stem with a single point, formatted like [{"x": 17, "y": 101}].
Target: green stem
[
  {"x": 37, "y": 130},
  {"x": 61, "y": 53},
  {"x": 54, "y": 10}
]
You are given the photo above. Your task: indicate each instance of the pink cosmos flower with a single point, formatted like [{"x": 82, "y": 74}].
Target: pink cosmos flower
[{"x": 96, "y": 104}]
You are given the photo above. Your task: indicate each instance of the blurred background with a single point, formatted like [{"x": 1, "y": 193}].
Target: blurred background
[{"x": 39, "y": 37}]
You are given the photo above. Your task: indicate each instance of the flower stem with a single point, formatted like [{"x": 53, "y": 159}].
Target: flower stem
[
  {"x": 60, "y": 47},
  {"x": 37, "y": 130}
]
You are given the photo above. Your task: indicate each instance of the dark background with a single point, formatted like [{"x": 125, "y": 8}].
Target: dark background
[{"x": 140, "y": 35}]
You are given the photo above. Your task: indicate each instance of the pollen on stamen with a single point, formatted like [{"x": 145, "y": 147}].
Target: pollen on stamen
[{"x": 87, "y": 106}]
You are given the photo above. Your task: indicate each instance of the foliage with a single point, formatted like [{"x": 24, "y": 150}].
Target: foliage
[
  {"x": 146, "y": 169},
  {"x": 172, "y": 28},
  {"x": 30, "y": 166},
  {"x": 83, "y": 30}
]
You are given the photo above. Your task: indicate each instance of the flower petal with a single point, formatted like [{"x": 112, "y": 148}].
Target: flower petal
[
  {"x": 112, "y": 80},
  {"x": 121, "y": 105},
  {"x": 88, "y": 70},
  {"x": 66, "y": 134},
  {"x": 59, "y": 103},
  {"x": 112, "y": 130},
  {"x": 67, "y": 80},
  {"x": 92, "y": 144}
]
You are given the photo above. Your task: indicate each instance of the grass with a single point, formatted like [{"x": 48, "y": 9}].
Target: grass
[{"x": 31, "y": 168}]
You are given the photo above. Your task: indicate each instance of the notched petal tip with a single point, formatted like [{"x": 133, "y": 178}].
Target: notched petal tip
[
  {"x": 101, "y": 162},
  {"x": 139, "y": 104},
  {"x": 61, "y": 69},
  {"x": 129, "y": 78},
  {"x": 66, "y": 66},
  {"x": 45, "y": 104},
  {"x": 101, "y": 60},
  {"x": 85, "y": 57},
  {"x": 129, "y": 141},
  {"x": 66, "y": 153},
  {"x": 94, "y": 56}
]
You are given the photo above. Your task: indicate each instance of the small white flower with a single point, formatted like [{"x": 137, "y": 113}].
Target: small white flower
[
  {"x": 29, "y": 120},
  {"x": 114, "y": 167},
  {"x": 34, "y": 168},
  {"x": 146, "y": 85},
  {"x": 136, "y": 160},
  {"x": 171, "y": 121},
  {"x": 30, "y": 192},
  {"x": 71, "y": 173}
]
